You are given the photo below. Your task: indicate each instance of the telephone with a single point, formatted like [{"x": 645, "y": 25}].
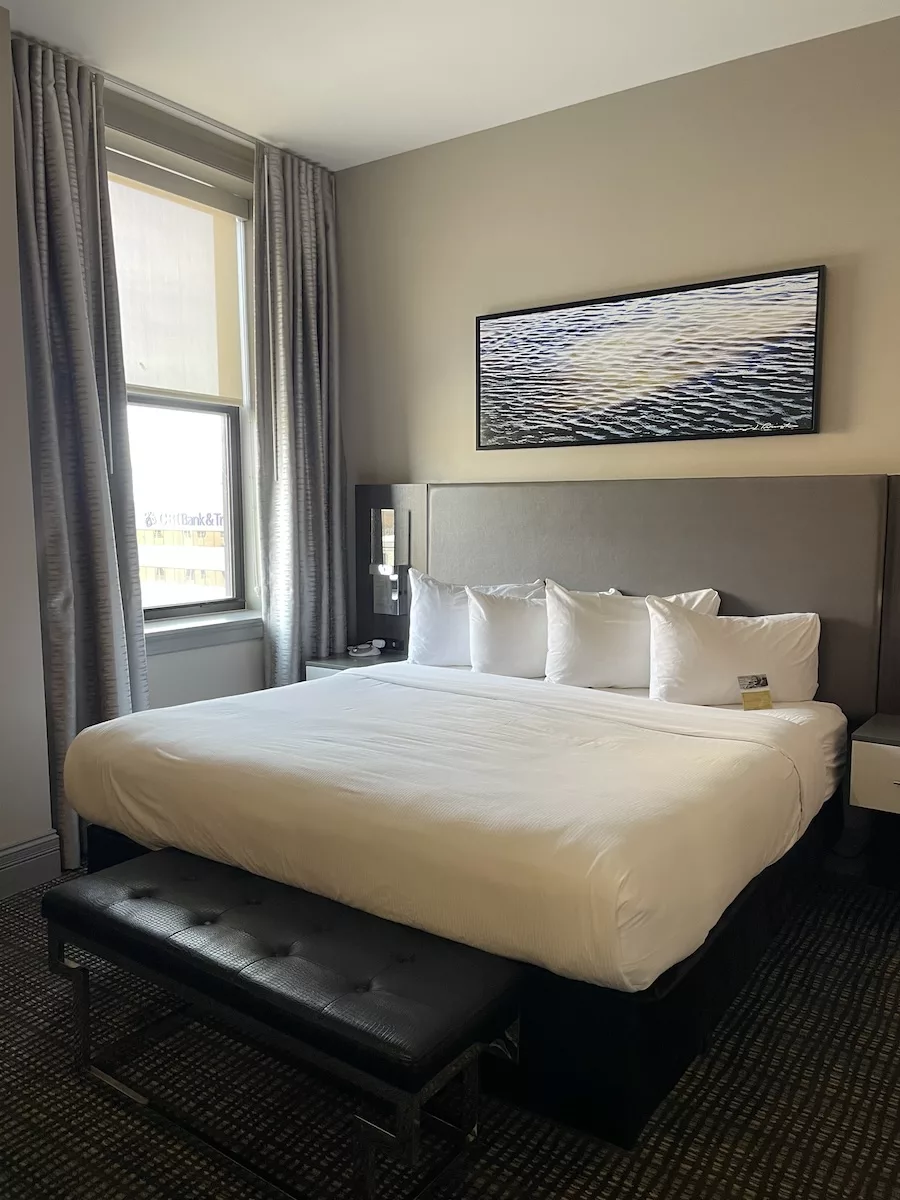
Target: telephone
[{"x": 367, "y": 649}]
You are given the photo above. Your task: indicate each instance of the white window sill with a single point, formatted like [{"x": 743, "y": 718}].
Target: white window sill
[{"x": 173, "y": 634}]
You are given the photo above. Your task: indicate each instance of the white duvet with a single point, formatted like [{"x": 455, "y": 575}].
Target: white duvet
[{"x": 601, "y": 836}]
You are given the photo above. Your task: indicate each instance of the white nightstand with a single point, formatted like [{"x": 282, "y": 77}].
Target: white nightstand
[
  {"x": 319, "y": 668},
  {"x": 875, "y": 764}
]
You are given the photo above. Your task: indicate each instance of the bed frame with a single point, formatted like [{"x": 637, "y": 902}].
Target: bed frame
[{"x": 592, "y": 1056}]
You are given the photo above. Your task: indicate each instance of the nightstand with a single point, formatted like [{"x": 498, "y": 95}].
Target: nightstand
[
  {"x": 319, "y": 668},
  {"x": 875, "y": 764}
]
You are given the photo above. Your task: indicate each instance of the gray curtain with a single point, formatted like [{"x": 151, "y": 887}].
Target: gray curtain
[
  {"x": 301, "y": 469},
  {"x": 94, "y": 657}
]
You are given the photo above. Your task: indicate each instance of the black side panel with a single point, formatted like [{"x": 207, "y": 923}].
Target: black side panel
[
  {"x": 106, "y": 848},
  {"x": 406, "y": 497},
  {"x": 889, "y": 674}
]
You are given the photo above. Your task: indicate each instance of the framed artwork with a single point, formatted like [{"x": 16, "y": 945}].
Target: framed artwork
[{"x": 733, "y": 358}]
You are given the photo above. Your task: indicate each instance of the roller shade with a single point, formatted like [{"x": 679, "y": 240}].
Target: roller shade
[
  {"x": 179, "y": 266},
  {"x": 169, "y": 151},
  {"x": 177, "y": 183}
]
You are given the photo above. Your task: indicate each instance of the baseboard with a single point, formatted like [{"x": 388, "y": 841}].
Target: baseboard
[{"x": 29, "y": 864}]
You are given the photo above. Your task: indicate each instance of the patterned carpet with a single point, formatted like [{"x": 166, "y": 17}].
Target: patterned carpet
[{"x": 799, "y": 1095}]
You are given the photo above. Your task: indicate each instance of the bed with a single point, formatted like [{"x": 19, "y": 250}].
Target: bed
[
  {"x": 582, "y": 831},
  {"x": 469, "y": 805}
]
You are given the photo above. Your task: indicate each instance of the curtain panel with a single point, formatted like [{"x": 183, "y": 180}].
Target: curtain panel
[
  {"x": 94, "y": 656},
  {"x": 300, "y": 452}
]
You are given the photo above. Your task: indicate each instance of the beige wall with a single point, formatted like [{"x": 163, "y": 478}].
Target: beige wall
[
  {"x": 24, "y": 787},
  {"x": 785, "y": 159}
]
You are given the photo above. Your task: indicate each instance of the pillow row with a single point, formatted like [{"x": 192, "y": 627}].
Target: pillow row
[
  {"x": 677, "y": 646},
  {"x": 587, "y": 639},
  {"x": 442, "y": 616}
]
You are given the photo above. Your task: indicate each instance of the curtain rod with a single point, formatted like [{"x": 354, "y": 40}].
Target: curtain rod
[
  {"x": 238, "y": 135},
  {"x": 190, "y": 114},
  {"x": 123, "y": 85}
]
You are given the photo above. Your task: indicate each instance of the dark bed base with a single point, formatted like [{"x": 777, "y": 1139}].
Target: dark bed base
[
  {"x": 106, "y": 848},
  {"x": 604, "y": 1060}
]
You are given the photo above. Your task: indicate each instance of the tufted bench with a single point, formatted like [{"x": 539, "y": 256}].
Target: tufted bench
[{"x": 393, "y": 1011}]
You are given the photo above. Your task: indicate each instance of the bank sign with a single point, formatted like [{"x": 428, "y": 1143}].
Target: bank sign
[{"x": 183, "y": 520}]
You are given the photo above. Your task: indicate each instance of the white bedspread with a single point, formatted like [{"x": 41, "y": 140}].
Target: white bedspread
[{"x": 600, "y": 836}]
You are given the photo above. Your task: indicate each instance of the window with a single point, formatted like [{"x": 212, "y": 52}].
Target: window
[
  {"x": 180, "y": 270},
  {"x": 183, "y": 461}
]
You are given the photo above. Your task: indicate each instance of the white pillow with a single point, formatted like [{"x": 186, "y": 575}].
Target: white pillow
[
  {"x": 508, "y": 634},
  {"x": 603, "y": 641},
  {"x": 696, "y": 659},
  {"x": 439, "y": 618}
]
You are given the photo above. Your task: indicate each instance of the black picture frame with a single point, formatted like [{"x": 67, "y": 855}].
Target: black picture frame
[{"x": 818, "y": 270}]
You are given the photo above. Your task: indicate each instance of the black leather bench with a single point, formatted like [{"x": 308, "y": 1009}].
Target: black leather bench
[{"x": 394, "y": 1011}]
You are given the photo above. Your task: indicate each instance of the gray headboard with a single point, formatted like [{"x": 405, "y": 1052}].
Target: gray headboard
[{"x": 797, "y": 544}]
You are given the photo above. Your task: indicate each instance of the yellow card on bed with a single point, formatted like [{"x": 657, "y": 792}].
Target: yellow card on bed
[{"x": 755, "y": 693}]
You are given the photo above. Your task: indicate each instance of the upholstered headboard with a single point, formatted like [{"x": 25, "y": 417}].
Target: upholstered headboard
[{"x": 796, "y": 544}]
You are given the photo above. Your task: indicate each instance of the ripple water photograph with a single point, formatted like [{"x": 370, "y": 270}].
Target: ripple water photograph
[{"x": 734, "y": 358}]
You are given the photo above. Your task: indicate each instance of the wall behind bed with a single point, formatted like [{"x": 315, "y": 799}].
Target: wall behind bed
[{"x": 782, "y": 159}]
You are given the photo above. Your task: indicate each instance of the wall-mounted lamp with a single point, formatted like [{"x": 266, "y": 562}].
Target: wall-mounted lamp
[{"x": 389, "y": 560}]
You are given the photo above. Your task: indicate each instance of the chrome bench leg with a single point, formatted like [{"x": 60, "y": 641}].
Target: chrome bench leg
[
  {"x": 469, "y": 1108},
  {"x": 365, "y": 1179},
  {"x": 400, "y": 1142},
  {"x": 403, "y": 1140},
  {"x": 81, "y": 998}
]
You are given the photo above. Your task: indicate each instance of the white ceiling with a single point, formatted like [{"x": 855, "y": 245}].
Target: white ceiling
[{"x": 348, "y": 81}]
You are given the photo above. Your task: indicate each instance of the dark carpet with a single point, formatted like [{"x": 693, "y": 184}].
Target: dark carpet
[{"x": 799, "y": 1095}]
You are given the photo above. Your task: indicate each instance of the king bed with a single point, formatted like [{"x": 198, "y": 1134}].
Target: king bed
[
  {"x": 638, "y": 854},
  {"x": 579, "y": 831}
]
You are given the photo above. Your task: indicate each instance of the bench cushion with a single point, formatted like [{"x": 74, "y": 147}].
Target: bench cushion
[{"x": 395, "y": 1001}]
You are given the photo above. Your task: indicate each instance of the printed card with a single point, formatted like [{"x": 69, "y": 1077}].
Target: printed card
[{"x": 755, "y": 693}]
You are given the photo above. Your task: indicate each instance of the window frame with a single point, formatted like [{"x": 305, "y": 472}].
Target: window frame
[{"x": 234, "y": 501}]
